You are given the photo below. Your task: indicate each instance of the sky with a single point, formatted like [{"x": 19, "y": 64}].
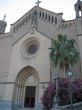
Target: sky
[{"x": 14, "y": 9}]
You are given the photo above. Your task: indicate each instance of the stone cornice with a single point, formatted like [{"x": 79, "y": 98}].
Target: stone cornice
[
  {"x": 7, "y": 82},
  {"x": 5, "y": 35}
]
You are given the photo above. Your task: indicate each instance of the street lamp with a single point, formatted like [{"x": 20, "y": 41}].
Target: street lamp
[
  {"x": 70, "y": 88},
  {"x": 56, "y": 98}
]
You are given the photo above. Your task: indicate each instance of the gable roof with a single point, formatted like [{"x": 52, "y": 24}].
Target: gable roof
[{"x": 38, "y": 9}]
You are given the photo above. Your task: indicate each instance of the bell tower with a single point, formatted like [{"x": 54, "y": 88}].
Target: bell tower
[
  {"x": 3, "y": 25},
  {"x": 78, "y": 8}
]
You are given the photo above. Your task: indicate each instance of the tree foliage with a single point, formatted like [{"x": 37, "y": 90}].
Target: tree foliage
[{"x": 63, "y": 52}]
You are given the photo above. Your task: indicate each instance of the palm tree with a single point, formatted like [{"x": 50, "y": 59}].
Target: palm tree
[{"x": 63, "y": 52}]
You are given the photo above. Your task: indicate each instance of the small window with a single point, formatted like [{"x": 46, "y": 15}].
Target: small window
[
  {"x": 29, "y": 17},
  {"x": 70, "y": 24},
  {"x": 55, "y": 20},
  {"x": 79, "y": 7},
  {"x": 74, "y": 23},
  {"x": 17, "y": 27},
  {"x": 26, "y": 19},
  {"x": 49, "y": 18},
  {"x": 43, "y": 15},
  {"x": 40, "y": 14},
  {"x": 66, "y": 25},
  {"x": 14, "y": 29},
  {"x": 52, "y": 19},
  {"x": 46, "y": 17},
  {"x": 20, "y": 24}
]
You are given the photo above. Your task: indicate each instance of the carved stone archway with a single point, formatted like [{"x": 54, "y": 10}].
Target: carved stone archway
[{"x": 26, "y": 79}]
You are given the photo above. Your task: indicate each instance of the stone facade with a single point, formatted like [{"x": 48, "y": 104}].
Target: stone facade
[{"x": 24, "y": 56}]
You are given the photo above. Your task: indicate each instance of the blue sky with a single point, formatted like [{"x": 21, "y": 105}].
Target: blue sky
[{"x": 14, "y": 9}]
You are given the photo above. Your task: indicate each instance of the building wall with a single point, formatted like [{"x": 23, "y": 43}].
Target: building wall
[
  {"x": 5, "y": 57},
  {"x": 41, "y": 63},
  {"x": 48, "y": 27}
]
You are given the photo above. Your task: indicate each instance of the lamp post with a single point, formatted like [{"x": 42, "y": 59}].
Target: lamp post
[
  {"x": 70, "y": 88},
  {"x": 56, "y": 98}
]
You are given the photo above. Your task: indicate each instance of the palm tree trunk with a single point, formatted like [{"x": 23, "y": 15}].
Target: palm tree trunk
[{"x": 64, "y": 71}]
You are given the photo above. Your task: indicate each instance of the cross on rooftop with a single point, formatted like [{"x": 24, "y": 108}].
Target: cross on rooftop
[
  {"x": 4, "y": 17},
  {"x": 38, "y": 2}
]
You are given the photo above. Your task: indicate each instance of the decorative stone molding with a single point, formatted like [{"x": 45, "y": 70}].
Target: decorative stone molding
[{"x": 5, "y": 35}]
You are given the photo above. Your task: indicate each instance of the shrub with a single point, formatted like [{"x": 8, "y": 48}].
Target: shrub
[
  {"x": 48, "y": 96},
  {"x": 63, "y": 92}
]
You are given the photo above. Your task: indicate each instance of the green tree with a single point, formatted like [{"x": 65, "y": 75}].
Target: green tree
[{"x": 63, "y": 52}]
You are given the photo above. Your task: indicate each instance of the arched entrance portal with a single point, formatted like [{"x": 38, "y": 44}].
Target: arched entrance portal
[{"x": 26, "y": 88}]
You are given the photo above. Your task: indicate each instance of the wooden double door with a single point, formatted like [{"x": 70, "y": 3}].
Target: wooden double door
[{"x": 29, "y": 101}]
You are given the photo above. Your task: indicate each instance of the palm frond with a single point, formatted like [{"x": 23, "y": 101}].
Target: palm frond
[{"x": 63, "y": 51}]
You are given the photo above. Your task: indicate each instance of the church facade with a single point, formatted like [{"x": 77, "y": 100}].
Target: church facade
[{"x": 25, "y": 66}]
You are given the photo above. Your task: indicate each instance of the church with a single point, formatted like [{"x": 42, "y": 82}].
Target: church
[{"x": 25, "y": 66}]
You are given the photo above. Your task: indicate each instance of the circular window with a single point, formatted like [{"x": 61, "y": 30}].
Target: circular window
[{"x": 30, "y": 47}]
